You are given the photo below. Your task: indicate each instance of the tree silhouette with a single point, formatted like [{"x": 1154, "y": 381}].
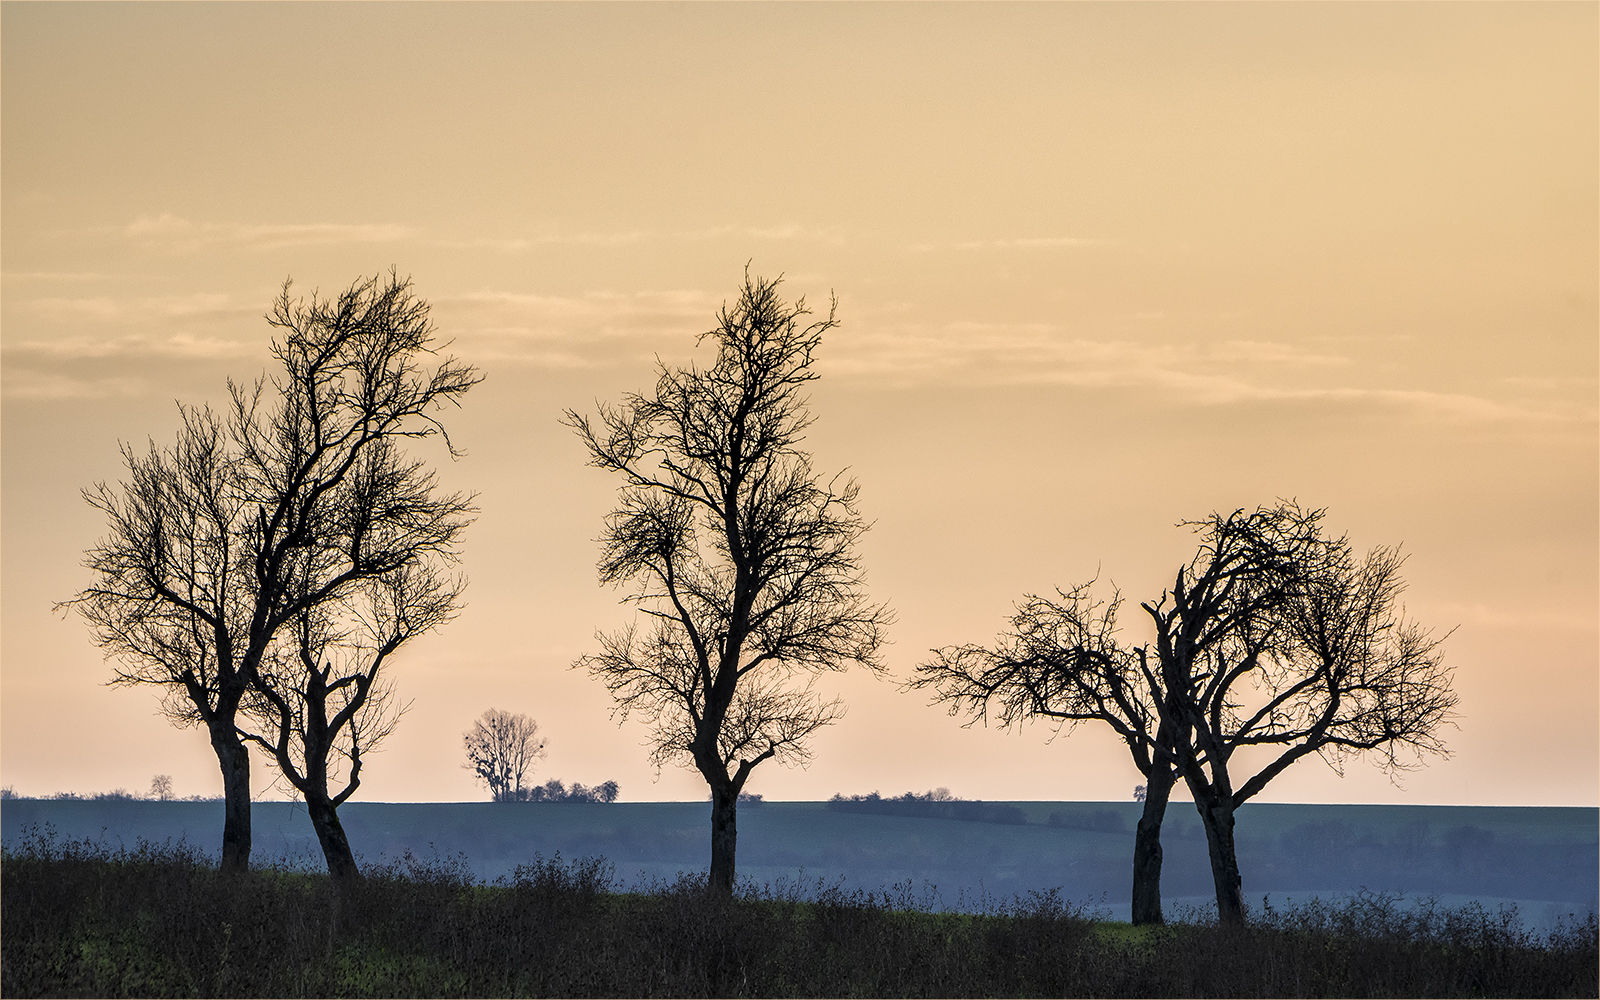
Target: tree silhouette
[
  {"x": 501, "y": 748},
  {"x": 1316, "y": 657},
  {"x": 1061, "y": 661},
  {"x": 741, "y": 558},
  {"x": 321, "y": 703},
  {"x": 1273, "y": 636},
  {"x": 250, "y": 521}
]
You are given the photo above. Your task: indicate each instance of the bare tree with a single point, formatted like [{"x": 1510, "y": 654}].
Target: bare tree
[
  {"x": 1272, "y": 636},
  {"x": 1318, "y": 658},
  {"x": 321, "y": 704},
  {"x": 741, "y": 558},
  {"x": 248, "y": 522},
  {"x": 1061, "y": 661},
  {"x": 161, "y": 788},
  {"x": 501, "y": 750}
]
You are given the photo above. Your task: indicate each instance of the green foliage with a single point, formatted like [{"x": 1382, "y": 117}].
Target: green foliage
[{"x": 81, "y": 920}]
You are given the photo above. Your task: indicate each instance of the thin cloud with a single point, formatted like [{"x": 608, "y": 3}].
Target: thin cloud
[
  {"x": 55, "y": 276},
  {"x": 1545, "y": 384},
  {"x": 1002, "y": 352},
  {"x": 519, "y": 243},
  {"x": 104, "y": 308},
  {"x": 635, "y": 236},
  {"x": 202, "y": 325},
  {"x": 31, "y": 384},
  {"x": 574, "y": 331},
  {"x": 174, "y": 234},
  {"x": 176, "y": 345},
  {"x": 788, "y": 231},
  {"x": 1020, "y": 243},
  {"x": 1227, "y": 372}
]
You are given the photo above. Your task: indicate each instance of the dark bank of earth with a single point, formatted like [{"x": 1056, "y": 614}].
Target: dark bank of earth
[{"x": 81, "y": 921}]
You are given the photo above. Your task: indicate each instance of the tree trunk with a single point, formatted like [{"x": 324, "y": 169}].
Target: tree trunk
[
  {"x": 724, "y": 838},
  {"x": 1147, "y": 848},
  {"x": 1218, "y": 820},
  {"x": 330, "y": 833},
  {"x": 234, "y": 759}
]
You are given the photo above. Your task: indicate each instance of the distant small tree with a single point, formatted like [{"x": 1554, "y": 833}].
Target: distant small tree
[
  {"x": 501, "y": 749},
  {"x": 161, "y": 787}
]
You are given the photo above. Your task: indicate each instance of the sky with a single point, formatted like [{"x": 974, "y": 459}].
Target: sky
[{"x": 1099, "y": 269}]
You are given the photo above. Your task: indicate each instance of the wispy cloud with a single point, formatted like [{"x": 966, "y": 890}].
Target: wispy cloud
[
  {"x": 31, "y": 384},
  {"x": 54, "y": 276},
  {"x": 201, "y": 325},
  {"x": 1044, "y": 352},
  {"x": 786, "y": 231},
  {"x": 174, "y": 234},
  {"x": 512, "y": 244},
  {"x": 1194, "y": 372},
  {"x": 1017, "y": 243},
  {"x": 175, "y": 345},
  {"x": 574, "y": 331},
  {"x": 104, "y": 308}
]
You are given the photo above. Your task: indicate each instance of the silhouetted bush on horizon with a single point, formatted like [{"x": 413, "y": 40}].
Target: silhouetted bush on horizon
[
  {"x": 82, "y": 919},
  {"x": 556, "y": 791},
  {"x": 937, "y": 804},
  {"x": 8, "y": 794}
]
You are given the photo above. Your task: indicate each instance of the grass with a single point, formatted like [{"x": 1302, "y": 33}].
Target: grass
[{"x": 83, "y": 920}]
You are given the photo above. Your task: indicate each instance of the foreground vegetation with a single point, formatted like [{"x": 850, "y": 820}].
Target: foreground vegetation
[{"x": 81, "y": 920}]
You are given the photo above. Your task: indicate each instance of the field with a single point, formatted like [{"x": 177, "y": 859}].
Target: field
[
  {"x": 1546, "y": 860},
  {"x": 84, "y": 921}
]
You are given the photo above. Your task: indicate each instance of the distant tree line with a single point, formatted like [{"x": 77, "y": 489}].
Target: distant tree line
[
  {"x": 937, "y": 804},
  {"x": 115, "y": 795},
  {"x": 555, "y": 791},
  {"x": 160, "y": 791}
]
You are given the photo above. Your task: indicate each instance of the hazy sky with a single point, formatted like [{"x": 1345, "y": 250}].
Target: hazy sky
[{"x": 1099, "y": 268}]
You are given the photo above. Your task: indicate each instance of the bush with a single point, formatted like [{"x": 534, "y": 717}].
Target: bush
[
  {"x": 937, "y": 804},
  {"x": 556, "y": 791}
]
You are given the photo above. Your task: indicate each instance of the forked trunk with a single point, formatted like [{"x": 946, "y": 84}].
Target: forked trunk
[
  {"x": 1218, "y": 821},
  {"x": 1147, "y": 848},
  {"x": 330, "y": 834},
  {"x": 234, "y": 759},
  {"x": 724, "y": 839}
]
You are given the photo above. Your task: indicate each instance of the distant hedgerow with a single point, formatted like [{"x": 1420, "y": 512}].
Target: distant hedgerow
[
  {"x": 555, "y": 791},
  {"x": 937, "y": 804}
]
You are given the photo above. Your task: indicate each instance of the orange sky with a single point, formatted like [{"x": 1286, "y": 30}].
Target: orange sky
[{"x": 1099, "y": 267}]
